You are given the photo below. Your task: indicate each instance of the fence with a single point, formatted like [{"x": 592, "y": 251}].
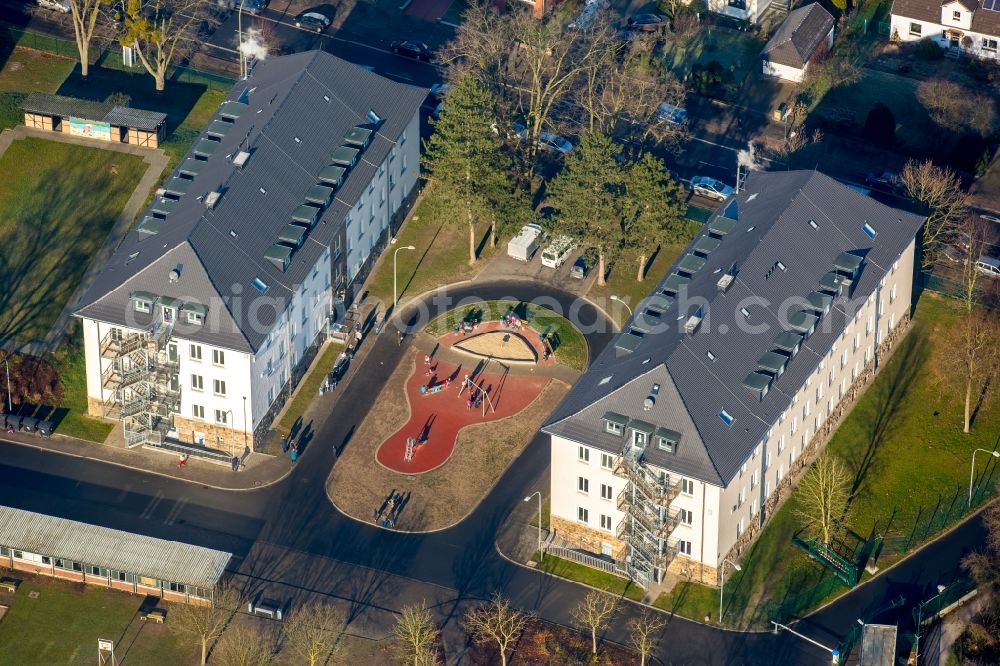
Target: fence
[{"x": 587, "y": 560}]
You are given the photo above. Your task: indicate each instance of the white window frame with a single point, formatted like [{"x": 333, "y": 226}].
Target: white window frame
[
  {"x": 583, "y": 454},
  {"x": 582, "y": 515},
  {"x": 583, "y": 485}
]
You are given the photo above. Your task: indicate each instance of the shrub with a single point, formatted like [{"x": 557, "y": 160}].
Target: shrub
[
  {"x": 928, "y": 49},
  {"x": 880, "y": 125},
  {"x": 711, "y": 79}
]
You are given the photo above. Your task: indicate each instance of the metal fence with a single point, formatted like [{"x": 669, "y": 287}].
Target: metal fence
[{"x": 609, "y": 566}]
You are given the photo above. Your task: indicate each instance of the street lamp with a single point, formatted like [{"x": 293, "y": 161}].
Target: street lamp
[
  {"x": 528, "y": 499},
  {"x": 615, "y": 298},
  {"x": 232, "y": 432},
  {"x": 722, "y": 581},
  {"x": 239, "y": 37},
  {"x": 9, "y": 407},
  {"x": 972, "y": 471},
  {"x": 394, "y": 299}
]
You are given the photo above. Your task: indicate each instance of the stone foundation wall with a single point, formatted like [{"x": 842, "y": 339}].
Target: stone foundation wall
[
  {"x": 693, "y": 570},
  {"x": 586, "y": 537},
  {"x": 95, "y": 407},
  {"x": 232, "y": 440}
]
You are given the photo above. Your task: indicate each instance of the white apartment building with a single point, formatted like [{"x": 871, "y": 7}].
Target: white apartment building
[
  {"x": 227, "y": 283},
  {"x": 960, "y": 26},
  {"x": 668, "y": 451}
]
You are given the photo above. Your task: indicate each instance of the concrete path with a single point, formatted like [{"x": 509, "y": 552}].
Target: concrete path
[{"x": 157, "y": 161}]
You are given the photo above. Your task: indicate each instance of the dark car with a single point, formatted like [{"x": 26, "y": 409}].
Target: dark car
[
  {"x": 412, "y": 49},
  {"x": 886, "y": 182},
  {"x": 579, "y": 268},
  {"x": 647, "y": 22},
  {"x": 313, "y": 19},
  {"x": 253, "y": 6}
]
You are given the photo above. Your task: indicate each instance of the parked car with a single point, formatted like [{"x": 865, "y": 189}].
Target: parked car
[
  {"x": 648, "y": 22},
  {"x": 989, "y": 266},
  {"x": 313, "y": 19},
  {"x": 588, "y": 15},
  {"x": 886, "y": 181},
  {"x": 440, "y": 90},
  {"x": 711, "y": 188},
  {"x": 579, "y": 268},
  {"x": 253, "y": 6},
  {"x": 671, "y": 114},
  {"x": 411, "y": 49},
  {"x": 56, "y": 5},
  {"x": 555, "y": 143},
  {"x": 558, "y": 251}
]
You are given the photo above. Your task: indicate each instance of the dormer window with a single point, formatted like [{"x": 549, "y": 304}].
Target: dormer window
[
  {"x": 638, "y": 438},
  {"x": 666, "y": 439},
  {"x": 195, "y": 318},
  {"x": 143, "y": 306},
  {"x": 614, "y": 428},
  {"x": 614, "y": 423}
]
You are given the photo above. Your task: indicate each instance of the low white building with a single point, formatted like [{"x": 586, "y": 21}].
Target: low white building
[
  {"x": 962, "y": 26},
  {"x": 198, "y": 323},
  {"x": 667, "y": 454},
  {"x": 805, "y": 35}
]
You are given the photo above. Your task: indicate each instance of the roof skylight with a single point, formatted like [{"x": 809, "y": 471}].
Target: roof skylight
[
  {"x": 869, "y": 230},
  {"x": 812, "y": 223},
  {"x": 726, "y": 417},
  {"x": 259, "y": 285}
]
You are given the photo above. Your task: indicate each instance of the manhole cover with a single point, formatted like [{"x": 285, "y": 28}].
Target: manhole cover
[{"x": 32, "y": 595}]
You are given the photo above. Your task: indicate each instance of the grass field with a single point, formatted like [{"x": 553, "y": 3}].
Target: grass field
[
  {"x": 903, "y": 442},
  {"x": 73, "y": 419},
  {"x": 735, "y": 51},
  {"x": 441, "y": 256},
  {"x": 568, "y": 343},
  {"x": 602, "y": 580},
  {"x": 27, "y": 70},
  {"x": 58, "y": 203},
  {"x": 621, "y": 281},
  {"x": 308, "y": 389}
]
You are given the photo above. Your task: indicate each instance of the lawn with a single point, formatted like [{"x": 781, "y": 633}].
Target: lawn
[
  {"x": 441, "y": 256},
  {"x": 308, "y": 389},
  {"x": 899, "y": 93},
  {"x": 72, "y": 413},
  {"x": 568, "y": 344},
  {"x": 63, "y": 624},
  {"x": 27, "y": 70},
  {"x": 735, "y": 51},
  {"x": 546, "y": 514},
  {"x": 903, "y": 442},
  {"x": 58, "y": 202},
  {"x": 580, "y": 573}
]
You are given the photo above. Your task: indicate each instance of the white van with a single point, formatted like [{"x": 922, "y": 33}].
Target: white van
[
  {"x": 989, "y": 266},
  {"x": 57, "y": 5},
  {"x": 558, "y": 251}
]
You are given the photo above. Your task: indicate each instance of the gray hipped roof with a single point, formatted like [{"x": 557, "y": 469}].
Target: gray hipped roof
[
  {"x": 290, "y": 116},
  {"x": 801, "y": 32},
  {"x": 119, "y": 116},
  {"x": 111, "y": 549},
  {"x": 780, "y": 258}
]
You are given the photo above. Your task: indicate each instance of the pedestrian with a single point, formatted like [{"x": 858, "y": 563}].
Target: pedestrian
[
  {"x": 468, "y": 403},
  {"x": 375, "y": 513},
  {"x": 392, "y": 521},
  {"x": 447, "y": 382},
  {"x": 427, "y": 359},
  {"x": 400, "y": 344}
]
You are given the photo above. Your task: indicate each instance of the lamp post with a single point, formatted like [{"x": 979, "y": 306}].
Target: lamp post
[
  {"x": 615, "y": 298},
  {"x": 7, "y": 365},
  {"x": 232, "y": 432},
  {"x": 528, "y": 499},
  {"x": 972, "y": 471},
  {"x": 245, "y": 444},
  {"x": 239, "y": 37},
  {"x": 722, "y": 581},
  {"x": 394, "y": 299}
]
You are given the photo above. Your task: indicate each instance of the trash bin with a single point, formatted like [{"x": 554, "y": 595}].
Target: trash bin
[{"x": 295, "y": 455}]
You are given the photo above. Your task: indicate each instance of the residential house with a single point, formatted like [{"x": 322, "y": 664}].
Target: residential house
[
  {"x": 668, "y": 454},
  {"x": 805, "y": 35},
  {"x": 959, "y": 26},
  {"x": 195, "y": 326}
]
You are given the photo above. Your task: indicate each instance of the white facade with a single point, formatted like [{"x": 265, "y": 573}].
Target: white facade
[
  {"x": 711, "y": 518},
  {"x": 746, "y": 10},
  {"x": 789, "y": 73},
  {"x": 953, "y": 30}
]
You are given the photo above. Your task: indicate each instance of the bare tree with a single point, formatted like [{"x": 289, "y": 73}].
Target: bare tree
[
  {"x": 954, "y": 107},
  {"x": 984, "y": 565},
  {"x": 498, "y": 622},
  {"x": 971, "y": 362},
  {"x": 207, "y": 622},
  {"x": 970, "y": 242},
  {"x": 940, "y": 191},
  {"x": 313, "y": 631},
  {"x": 823, "y": 494},
  {"x": 245, "y": 645},
  {"x": 417, "y": 636},
  {"x": 160, "y": 31},
  {"x": 595, "y": 613},
  {"x": 644, "y": 634},
  {"x": 85, "y": 14}
]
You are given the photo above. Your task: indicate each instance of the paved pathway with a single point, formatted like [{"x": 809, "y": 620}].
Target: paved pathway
[{"x": 157, "y": 161}]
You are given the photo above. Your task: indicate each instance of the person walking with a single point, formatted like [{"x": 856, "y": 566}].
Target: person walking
[{"x": 400, "y": 341}]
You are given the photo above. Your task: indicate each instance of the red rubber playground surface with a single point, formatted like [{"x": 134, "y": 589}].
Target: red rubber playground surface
[{"x": 441, "y": 415}]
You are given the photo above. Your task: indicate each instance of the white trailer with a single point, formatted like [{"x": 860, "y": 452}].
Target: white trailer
[{"x": 524, "y": 245}]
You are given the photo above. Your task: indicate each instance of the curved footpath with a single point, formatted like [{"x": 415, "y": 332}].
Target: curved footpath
[{"x": 288, "y": 539}]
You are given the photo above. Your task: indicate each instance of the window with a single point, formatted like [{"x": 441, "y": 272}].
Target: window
[
  {"x": 195, "y": 352},
  {"x": 143, "y": 306},
  {"x": 638, "y": 438},
  {"x": 738, "y": 4},
  {"x": 915, "y": 29},
  {"x": 687, "y": 486},
  {"x": 402, "y": 165},
  {"x": 583, "y": 454},
  {"x": 726, "y": 417},
  {"x": 742, "y": 497},
  {"x": 221, "y": 416},
  {"x": 614, "y": 428},
  {"x": 218, "y": 357},
  {"x": 686, "y": 517},
  {"x": 753, "y": 480},
  {"x": 665, "y": 444},
  {"x": 684, "y": 548},
  {"x": 198, "y": 411},
  {"x": 605, "y": 491},
  {"x": 956, "y": 16},
  {"x": 869, "y": 230},
  {"x": 605, "y": 522},
  {"x": 582, "y": 514},
  {"x": 259, "y": 285},
  {"x": 607, "y": 461},
  {"x": 168, "y": 315},
  {"x": 989, "y": 44},
  {"x": 220, "y": 387},
  {"x": 583, "y": 484},
  {"x": 197, "y": 382},
  {"x": 402, "y": 140}
]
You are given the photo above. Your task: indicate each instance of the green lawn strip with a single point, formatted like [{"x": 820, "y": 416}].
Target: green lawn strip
[
  {"x": 580, "y": 573},
  {"x": 58, "y": 202},
  {"x": 911, "y": 422},
  {"x": 63, "y": 624},
  {"x": 308, "y": 389},
  {"x": 568, "y": 343},
  {"x": 27, "y": 70},
  {"x": 623, "y": 284},
  {"x": 546, "y": 512},
  {"x": 74, "y": 421},
  {"x": 441, "y": 256},
  {"x": 690, "y": 600}
]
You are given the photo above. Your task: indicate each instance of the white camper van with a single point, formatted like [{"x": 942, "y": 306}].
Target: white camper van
[
  {"x": 558, "y": 251},
  {"x": 523, "y": 246}
]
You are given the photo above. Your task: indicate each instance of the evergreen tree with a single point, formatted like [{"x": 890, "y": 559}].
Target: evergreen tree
[{"x": 653, "y": 209}]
